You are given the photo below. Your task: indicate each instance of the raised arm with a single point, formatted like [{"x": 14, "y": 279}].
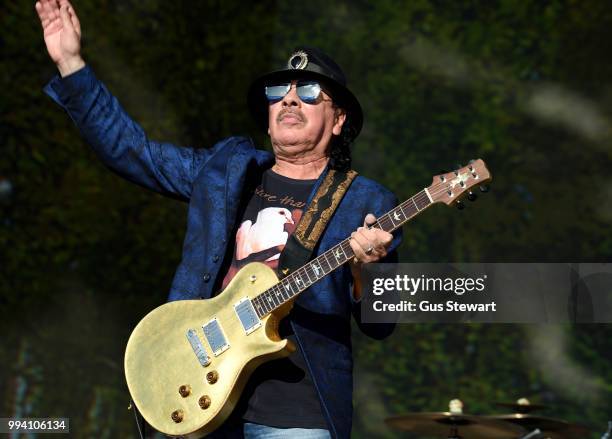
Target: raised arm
[{"x": 119, "y": 141}]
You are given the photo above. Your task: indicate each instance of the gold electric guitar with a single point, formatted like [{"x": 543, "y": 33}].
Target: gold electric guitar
[{"x": 187, "y": 361}]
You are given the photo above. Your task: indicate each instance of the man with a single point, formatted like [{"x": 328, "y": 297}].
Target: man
[{"x": 254, "y": 200}]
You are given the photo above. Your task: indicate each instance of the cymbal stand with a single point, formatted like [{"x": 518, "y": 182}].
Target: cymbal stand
[
  {"x": 454, "y": 433},
  {"x": 535, "y": 434}
]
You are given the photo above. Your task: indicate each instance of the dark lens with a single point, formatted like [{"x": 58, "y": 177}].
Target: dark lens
[
  {"x": 308, "y": 91},
  {"x": 277, "y": 91}
]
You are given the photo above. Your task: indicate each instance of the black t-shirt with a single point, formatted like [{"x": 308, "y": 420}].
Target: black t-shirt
[{"x": 280, "y": 393}]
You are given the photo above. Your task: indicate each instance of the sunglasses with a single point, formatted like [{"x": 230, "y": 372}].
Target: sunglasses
[{"x": 308, "y": 91}]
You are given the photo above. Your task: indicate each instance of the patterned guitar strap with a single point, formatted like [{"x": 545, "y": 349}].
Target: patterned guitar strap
[{"x": 301, "y": 243}]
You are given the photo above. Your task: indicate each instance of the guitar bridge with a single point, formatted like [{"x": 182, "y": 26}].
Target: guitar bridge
[{"x": 197, "y": 347}]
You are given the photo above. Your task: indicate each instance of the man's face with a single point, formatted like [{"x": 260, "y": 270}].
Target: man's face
[{"x": 299, "y": 129}]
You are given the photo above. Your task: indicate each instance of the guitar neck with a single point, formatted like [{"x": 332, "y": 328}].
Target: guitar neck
[{"x": 302, "y": 278}]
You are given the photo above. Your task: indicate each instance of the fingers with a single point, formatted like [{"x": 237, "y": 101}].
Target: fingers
[
  {"x": 369, "y": 220},
  {"x": 39, "y": 9},
  {"x": 360, "y": 245},
  {"x": 370, "y": 245},
  {"x": 48, "y": 12},
  {"x": 73, "y": 16},
  {"x": 51, "y": 9},
  {"x": 44, "y": 12},
  {"x": 65, "y": 16},
  {"x": 75, "y": 20}
]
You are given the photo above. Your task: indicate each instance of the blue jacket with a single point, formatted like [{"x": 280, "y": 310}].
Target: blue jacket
[{"x": 211, "y": 181}]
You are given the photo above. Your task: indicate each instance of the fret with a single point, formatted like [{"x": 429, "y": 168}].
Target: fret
[
  {"x": 310, "y": 281},
  {"x": 347, "y": 249},
  {"x": 298, "y": 280},
  {"x": 338, "y": 254},
  {"x": 423, "y": 201},
  {"x": 411, "y": 207},
  {"x": 287, "y": 287},
  {"x": 415, "y": 205},
  {"x": 273, "y": 298},
  {"x": 386, "y": 223},
  {"x": 258, "y": 308},
  {"x": 383, "y": 223},
  {"x": 396, "y": 218},
  {"x": 264, "y": 303},
  {"x": 278, "y": 292},
  {"x": 270, "y": 300},
  {"x": 411, "y": 212},
  {"x": 317, "y": 270},
  {"x": 401, "y": 208},
  {"x": 285, "y": 293},
  {"x": 329, "y": 268}
]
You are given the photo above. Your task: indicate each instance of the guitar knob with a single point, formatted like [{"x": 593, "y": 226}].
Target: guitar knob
[
  {"x": 484, "y": 188},
  {"x": 185, "y": 390},
  {"x": 212, "y": 377},
  {"x": 204, "y": 402},
  {"x": 177, "y": 416},
  {"x": 460, "y": 205},
  {"x": 472, "y": 196}
]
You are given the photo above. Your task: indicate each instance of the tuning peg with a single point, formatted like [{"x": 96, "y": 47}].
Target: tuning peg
[
  {"x": 460, "y": 205},
  {"x": 484, "y": 188},
  {"x": 472, "y": 196},
  {"x": 471, "y": 161},
  {"x": 457, "y": 167}
]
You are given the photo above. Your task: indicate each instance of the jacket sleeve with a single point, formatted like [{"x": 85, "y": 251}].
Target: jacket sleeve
[
  {"x": 121, "y": 143},
  {"x": 380, "y": 331}
]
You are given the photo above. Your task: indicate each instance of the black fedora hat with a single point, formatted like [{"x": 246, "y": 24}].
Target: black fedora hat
[{"x": 309, "y": 63}]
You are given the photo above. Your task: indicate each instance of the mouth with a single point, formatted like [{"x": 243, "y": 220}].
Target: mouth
[{"x": 290, "y": 118}]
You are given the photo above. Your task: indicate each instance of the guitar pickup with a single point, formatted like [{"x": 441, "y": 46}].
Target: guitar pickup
[
  {"x": 215, "y": 337},
  {"x": 247, "y": 315}
]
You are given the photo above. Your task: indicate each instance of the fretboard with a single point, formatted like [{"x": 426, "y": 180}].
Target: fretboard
[{"x": 325, "y": 263}]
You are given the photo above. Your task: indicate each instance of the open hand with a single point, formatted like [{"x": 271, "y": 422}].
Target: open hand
[{"x": 62, "y": 32}]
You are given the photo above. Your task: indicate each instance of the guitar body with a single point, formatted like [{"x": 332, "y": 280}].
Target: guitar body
[{"x": 168, "y": 377}]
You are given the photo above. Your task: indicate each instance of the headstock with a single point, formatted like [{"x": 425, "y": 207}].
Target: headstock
[{"x": 450, "y": 187}]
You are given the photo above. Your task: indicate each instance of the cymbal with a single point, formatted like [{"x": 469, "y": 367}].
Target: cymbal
[
  {"x": 551, "y": 428},
  {"x": 521, "y": 405},
  {"x": 447, "y": 424}
]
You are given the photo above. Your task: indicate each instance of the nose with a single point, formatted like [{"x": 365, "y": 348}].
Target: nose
[{"x": 291, "y": 98}]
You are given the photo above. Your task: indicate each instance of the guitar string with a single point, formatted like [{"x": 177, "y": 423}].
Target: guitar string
[{"x": 434, "y": 190}]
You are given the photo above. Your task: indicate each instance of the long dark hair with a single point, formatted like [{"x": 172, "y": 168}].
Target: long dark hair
[{"x": 340, "y": 153}]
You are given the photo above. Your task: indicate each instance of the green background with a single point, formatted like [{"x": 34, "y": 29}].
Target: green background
[{"x": 525, "y": 85}]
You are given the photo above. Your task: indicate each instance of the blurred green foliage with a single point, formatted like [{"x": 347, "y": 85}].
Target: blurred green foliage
[{"x": 523, "y": 84}]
